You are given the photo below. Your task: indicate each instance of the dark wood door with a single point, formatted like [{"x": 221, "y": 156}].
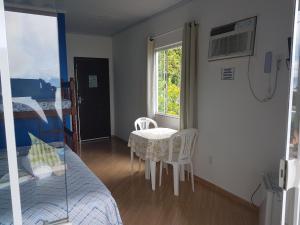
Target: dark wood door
[{"x": 92, "y": 76}]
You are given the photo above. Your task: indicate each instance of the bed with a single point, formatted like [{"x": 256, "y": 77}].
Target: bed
[
  {"x": 19, "y": 107},
  {"x": 86, "y": 200},
  {"x": 41, "y": 103},
  {"x": 89, "y": 201}
]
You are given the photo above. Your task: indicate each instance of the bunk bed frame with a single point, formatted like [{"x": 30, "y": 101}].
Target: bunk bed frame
[
  {"x": 71, "y": 135},
  {"x": 68, "y": 92}
]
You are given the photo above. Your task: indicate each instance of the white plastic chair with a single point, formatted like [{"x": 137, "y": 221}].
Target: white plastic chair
[
  {"x": 186, "y": 139},
  {"x": 141, "y": 123},
  {"x": 144, "y": 123}
]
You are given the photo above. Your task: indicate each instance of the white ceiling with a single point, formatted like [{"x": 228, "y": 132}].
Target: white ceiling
[{"x": 103, "y": 17}]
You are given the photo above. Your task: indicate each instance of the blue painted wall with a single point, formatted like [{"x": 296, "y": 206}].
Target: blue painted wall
[
  {"x": 38, "y": 90},
  {"x": 63, "y": 53},
  {"x": 62, "y": 46}
]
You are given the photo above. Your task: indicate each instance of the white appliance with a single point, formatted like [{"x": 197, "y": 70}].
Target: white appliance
[
  {"x": 270, "y": 208},
  {"x": 232, "y": 40}
]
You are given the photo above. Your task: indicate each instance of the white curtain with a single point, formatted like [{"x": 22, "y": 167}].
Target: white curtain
[
  {"x": 188, "y": 89},
  {"x": 150, "y": 79}
]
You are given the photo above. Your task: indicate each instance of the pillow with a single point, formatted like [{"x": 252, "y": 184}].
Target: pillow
[{"x": 42, "y": 159}]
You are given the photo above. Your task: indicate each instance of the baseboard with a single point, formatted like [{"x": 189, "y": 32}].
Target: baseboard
[
  {"x": 119, "y": 138},
  {"x": 225, "y": 193}
]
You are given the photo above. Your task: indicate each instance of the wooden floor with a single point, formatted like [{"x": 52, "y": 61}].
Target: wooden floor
[{"x": 139, "y": 205}]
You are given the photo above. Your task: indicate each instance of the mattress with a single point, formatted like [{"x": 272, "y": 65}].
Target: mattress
[
  {"x": 89, "y": 201},
  {"x": 27, "y": 105}
]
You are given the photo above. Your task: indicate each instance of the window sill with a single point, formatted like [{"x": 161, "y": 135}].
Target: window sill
[{"x": 166, "y": 115}]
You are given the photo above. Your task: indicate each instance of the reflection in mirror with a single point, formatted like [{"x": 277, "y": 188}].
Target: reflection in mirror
[
  {"x": 5, "y": 192},
  {"x": 295, "y": 113},
  {"x": 33, "y": 52},
  {"x": 293, "y": 152}
]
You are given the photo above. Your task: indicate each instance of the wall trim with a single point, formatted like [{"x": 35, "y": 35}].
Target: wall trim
[{"x": 225, "y": 193}]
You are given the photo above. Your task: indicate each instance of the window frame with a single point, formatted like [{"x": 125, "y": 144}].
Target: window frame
[{"x": 156, "y": 50}]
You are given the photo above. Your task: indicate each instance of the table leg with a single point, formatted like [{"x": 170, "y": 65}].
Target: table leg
[
  {"x": 153, "y": 173},
  {"x": 182, "y": 177},
  {"x": 131, "y": 161},
  {"x": 147, "y": 170}
]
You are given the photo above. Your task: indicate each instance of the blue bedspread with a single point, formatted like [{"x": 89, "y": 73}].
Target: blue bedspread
[{"x": 89, "y": 201}]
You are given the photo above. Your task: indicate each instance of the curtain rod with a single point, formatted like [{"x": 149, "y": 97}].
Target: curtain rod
[
  {"x": 171, "y": 31},
  {"x": 163, "y": 34}
]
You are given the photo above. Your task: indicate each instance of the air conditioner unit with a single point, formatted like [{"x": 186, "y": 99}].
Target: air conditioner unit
[{"x": 232, "y": 40}]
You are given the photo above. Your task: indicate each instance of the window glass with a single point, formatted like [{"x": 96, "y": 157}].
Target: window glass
[{"x": 168, "y": 72}]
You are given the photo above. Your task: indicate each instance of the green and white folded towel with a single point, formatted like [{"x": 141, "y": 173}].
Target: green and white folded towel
[{"x": 43, "y": 159}]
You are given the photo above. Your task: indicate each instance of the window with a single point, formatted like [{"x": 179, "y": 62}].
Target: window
[{"x": 168, "y": 74}]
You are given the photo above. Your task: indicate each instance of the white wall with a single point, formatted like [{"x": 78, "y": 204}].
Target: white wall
[
  {"x": 79, "y": 45},
  {"x": 241, "y": 137}
]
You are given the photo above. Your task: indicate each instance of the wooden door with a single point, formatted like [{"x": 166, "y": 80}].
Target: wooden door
[{"x": 92, "y": 76}]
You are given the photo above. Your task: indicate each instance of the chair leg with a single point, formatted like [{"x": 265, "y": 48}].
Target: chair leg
[
  {"x": 176, "y": 178},
  {"x": 139, "y": 163},
  {"x": 131, "y": 161},
  {"x": 153, "y": 173},
  {"x": 182, "y": 175},
  {"x": 192, "y": 177},
  {"x": 160, "y": 172}
]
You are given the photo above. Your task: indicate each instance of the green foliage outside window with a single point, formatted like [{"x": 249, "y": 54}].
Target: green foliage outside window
[{"x": 168, "y": 82}]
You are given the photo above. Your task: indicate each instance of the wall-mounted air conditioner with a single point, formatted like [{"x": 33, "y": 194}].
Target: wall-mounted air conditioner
[{"x": 232, "y": 40}]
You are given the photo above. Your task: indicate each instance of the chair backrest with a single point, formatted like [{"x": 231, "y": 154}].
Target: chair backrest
[
  {"x": 182, "y": 145},
  {"x": 143, "y": 123}
]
